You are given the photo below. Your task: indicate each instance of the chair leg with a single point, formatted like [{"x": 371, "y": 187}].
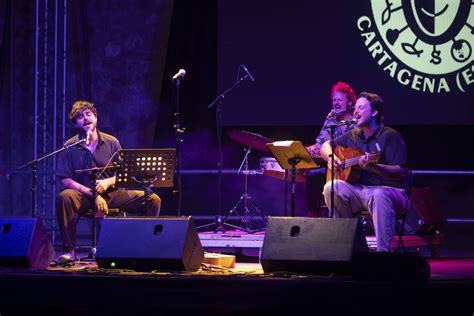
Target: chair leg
[
  {"x": 74, "y": 240},
  {"x": 400, "y": 234}
]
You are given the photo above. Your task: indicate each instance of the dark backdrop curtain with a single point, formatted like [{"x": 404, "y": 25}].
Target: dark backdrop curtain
[{"x": 116, "y": 54}]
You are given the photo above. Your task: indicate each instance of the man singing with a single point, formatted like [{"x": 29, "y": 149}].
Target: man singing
[{"x": 99, "y": 150}]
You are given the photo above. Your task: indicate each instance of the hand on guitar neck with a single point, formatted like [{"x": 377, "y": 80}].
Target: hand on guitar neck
[{"x": 346, "y": 159}]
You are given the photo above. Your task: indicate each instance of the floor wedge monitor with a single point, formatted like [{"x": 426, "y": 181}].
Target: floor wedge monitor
[
  {"x": 311, "y": 245},
  {"x": 146, "y": 244},
  {"x": 24, "y": 243}
]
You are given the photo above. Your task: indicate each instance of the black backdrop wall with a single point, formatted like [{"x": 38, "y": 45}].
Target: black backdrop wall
[
  {"x": 298, "y": 50},
  {"x": 122, "y": 56}
]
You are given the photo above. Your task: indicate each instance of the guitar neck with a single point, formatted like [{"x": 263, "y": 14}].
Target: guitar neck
[
  {"x": 349, "y": 162},
  {"x": 350, "y": 156}
]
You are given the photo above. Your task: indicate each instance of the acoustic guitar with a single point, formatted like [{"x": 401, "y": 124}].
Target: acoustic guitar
[{"x": 350, "y": 170}]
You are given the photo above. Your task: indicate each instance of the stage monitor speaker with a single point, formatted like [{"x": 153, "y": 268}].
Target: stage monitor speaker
[
  {"x": 311, "y": 245},
  {"x": 149, "y": 243},
  {"x": 24, "y": 243},
  {"x": 391, "y": 267}
]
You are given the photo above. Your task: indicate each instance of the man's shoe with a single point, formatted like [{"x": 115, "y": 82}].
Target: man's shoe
[{"x": 68, "y": 256}]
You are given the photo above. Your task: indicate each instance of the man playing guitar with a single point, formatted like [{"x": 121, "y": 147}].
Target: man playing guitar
[{"x": 381, "y": 184}]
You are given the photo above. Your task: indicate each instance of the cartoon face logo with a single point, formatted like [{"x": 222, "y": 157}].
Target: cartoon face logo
[
  {"x": 435, "y": 22},
  {"x": 431, "y": 36}
]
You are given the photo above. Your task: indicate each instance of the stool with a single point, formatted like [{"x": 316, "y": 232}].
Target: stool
[{"x": 112, "y": 212}]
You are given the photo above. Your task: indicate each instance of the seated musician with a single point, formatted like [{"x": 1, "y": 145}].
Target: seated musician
[
  {"x": 343, "y": 99},
  {"x": 380, "y": 188},
  {"x": 77, "y": 194}
]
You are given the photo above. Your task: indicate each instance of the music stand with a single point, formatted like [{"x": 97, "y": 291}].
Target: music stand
[
  {"x": 146, "y": 168},
  {"x": 292, "y": 155}
]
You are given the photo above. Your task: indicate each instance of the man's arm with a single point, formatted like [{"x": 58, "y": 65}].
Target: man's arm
[
  {"x": 395, "y": 152},
  {"x": 388, "y": 171},
  {"x": 74, "y": 185},
  {"x": 314, "y": 150},
  {"x": 103, "y": 184},
  {"x": 326, "y": 150},
  {"x": 326, "y": 153},
  {"x": 100, "y": 202},
  {"x": 323, "y": 135}
]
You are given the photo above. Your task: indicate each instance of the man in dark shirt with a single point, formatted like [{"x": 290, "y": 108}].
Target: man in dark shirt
[
  {"x": 99, "y": 150},
  {"x": 381, "y": 186}
]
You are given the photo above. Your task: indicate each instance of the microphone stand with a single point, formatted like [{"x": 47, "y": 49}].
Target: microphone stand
[
  {"x": 93, "y": 178},
  {"x": 293, "y": 162},
  {"x": 218, "y": 104},
  {"x": 332, "y": 141},
  {"x": 331, "y": 210},
  {"x": 178, "y": 131},
  {"x": 34, "y": 172}
]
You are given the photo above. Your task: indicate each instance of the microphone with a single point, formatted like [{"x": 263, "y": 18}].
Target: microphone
[
  {"x": 179, "y": 74},
  {"x": 334, "y": 112},
  {"x": 347, "y": 122},
  {"x": 331, "y": 114},
  {"x": 88, "y": 137},
  {"x": 248, "y": 73}
]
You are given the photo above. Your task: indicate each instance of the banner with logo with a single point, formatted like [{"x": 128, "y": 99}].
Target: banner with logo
[{"x": 416, "y": 54}]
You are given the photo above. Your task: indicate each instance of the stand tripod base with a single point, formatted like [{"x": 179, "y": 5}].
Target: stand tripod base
[
  {"x": 90, "y": 256},
  {"x": 246, "y": 218},
  {"x": 217, "y": 222}
]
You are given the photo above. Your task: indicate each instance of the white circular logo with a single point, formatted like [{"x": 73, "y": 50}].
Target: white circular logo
[
  {"x": 433, "y": 37},
  {"x": 424, "y": 44}
]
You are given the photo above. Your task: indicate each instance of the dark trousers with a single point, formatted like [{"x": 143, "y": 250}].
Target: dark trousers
[{"x": 72, "y": 201}]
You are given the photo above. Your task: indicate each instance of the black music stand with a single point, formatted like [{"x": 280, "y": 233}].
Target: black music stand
[
  {"x": 292, "y": 155},
  {"x": 146, "y": 168}
]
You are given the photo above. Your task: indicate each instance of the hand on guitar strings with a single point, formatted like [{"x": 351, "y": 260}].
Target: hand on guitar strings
[{"x": 364, "y": 161}]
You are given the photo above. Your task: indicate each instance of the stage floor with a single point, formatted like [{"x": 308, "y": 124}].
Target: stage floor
[
  {"x": 84, "y": 289},
  {"x": 442, "y": 269}
]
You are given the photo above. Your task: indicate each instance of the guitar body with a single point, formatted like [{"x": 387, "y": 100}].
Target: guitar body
[{"x": 349, "y": 174}]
